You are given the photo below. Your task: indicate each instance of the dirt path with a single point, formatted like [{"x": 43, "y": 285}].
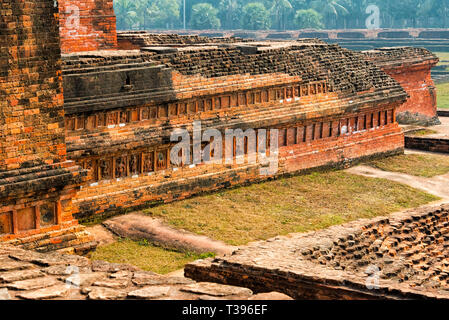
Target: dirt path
[
  {"x": 138, "y": 226},
  {"x": 102, "y": 235},
  {"x": 438, "y": 186}
]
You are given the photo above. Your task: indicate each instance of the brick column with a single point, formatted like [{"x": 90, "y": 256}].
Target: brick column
[{"x": 37, "y": 182}]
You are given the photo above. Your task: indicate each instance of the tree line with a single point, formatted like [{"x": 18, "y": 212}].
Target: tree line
[{"x": 278, "y": 14}]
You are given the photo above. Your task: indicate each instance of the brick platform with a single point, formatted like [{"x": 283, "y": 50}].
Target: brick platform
[
  {"x": 403, "y": 256},
  {"x": 37, "y": 182},
  {"x": 427, "y": 144}
]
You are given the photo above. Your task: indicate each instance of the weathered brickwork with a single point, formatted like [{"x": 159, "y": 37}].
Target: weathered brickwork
[
  {"x": 37, "y": 183},
  {"x": 330, "y": 106},
  {"x": 128, "y": 40},
  {"x": 52, "y": 276},
  {"x": 411, "y": 68},
  {"x": 403, "y": 256},
  {"x": 87, "y": 25}
]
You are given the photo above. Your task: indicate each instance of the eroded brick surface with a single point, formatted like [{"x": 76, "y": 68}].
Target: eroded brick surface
[
  {"x": 398, "y": 257},
  {"x": 87, "y": 25},
  {"x": 38, "y": 276},
  {"x": 331, "y": 107}
]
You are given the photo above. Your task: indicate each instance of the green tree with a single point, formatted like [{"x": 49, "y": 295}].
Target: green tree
[
  {"x": 330, "y": 9},
  {"x": 126, "y": 13},
  {"x": 255, "y": 17},
  {"x": 229, "y": 13},
  {"x": 279, "y": 10},
  {"x": 162, "y": 13},
  {"x": 147, "y": 14},
  {"x": 204, "y": 16},
  {"x": 308, "y": 19}
]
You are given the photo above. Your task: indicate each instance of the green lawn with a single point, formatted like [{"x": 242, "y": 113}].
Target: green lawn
[
  {"x": 421, "y": 165},
  {"x": 443, "y": 88},
  {"x": 297, "y": 204},
  {"x": 145, "y": 256},
  {"x": 422, "y": 133},
  {"x": 443, "y": 56},
  {"x": 443, "y": 95}
]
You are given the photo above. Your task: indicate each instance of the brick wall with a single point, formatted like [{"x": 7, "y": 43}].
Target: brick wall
[
  {"x": 417, "y": 81},
  {"x": 37, "y": 183},
  {"x": 87, "y": 25},
  {"x": 122, "y": 107},
  {"x": 411, "y": 68}
]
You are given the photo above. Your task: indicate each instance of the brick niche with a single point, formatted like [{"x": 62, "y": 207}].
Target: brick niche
[{"x": 411, "y": 67}]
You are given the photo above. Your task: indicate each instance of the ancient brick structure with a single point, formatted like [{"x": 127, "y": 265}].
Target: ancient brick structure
[
  {"x": 427, "y": 144},
  {"x": 403, "y": 256},
  {"x": 411, "y": 67},
  {"x": 330, "y": 105},
  {"x": 37, "y": 182},
  {"x": 87, "y": 25}
]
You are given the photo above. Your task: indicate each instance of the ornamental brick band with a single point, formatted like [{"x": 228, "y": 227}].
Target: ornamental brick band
[{"x": 403, "y": 256}]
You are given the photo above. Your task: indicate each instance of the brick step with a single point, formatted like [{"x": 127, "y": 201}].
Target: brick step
[{"x": 65, "y": 239}]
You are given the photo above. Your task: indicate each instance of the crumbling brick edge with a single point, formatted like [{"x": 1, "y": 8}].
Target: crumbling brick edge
[{"x": 314, "y": 281}]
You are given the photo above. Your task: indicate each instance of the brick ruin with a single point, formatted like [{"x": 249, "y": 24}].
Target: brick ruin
[
  {"x": 37, "y": 181},
  {"x": 403, "y": 256},
  {"x": 102, "y": 147},
  {"x": 29, "y": 275},
  {"x": 330, "y": 105},
  {"x": 411, "y": 67}
]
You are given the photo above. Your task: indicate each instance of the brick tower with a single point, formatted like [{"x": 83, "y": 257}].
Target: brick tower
[
  {"x": 87, "y": 25},
  {"x": 37, "y": 183}
]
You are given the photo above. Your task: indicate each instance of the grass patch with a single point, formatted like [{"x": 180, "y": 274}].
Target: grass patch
[
  {"x": 145, "y": 256},
  {"x": 297, "y": 204},
  {"x": 422, "y": 132},
  {"x": 443, "y": 88},
  {"x": 443, "y": 95},
  {"x": 421, "y": 165}
]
